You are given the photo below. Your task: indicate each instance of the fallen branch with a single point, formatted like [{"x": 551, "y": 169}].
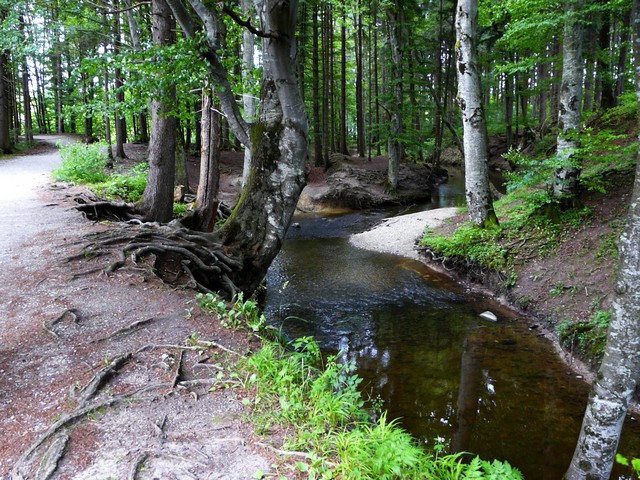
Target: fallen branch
[{"x": 177, "y": 374}]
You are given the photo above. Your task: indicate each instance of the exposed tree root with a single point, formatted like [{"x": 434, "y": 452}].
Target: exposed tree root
[
  {"x": 178, "y": 372},
  {"x": 50, "y": 459},
  {"x": 136, "y": 465},
  {"x": 197, "y": 259},
  {"x": 102, "y": 377},
  {"x": 95, "y": 209},
  {"x": 127, "y": 329},
  {"x": 66, "y": 421},
  {"x": 68, "y": 313}
]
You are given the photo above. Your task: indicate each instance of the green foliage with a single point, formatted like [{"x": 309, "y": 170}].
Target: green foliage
[
  {"x": 587, "y": 337},
  {"x": 180, "y": 209},
  {"x": 634, "y": 463},
  {"x": 126, "y": 187},
  {"x": 82, "y": 163},
  {"x": 241, "y": 313}
]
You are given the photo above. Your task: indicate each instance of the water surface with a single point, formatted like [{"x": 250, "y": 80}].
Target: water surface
[{"x": 495, "y": 389}]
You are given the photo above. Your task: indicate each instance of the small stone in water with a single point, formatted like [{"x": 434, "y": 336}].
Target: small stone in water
[{"x": 489, "y": 316}]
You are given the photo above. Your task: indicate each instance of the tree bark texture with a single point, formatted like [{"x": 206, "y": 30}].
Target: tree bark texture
[
  {"x": 6, "y": 143},
  {"x": 394, "y": 17},
  {"x": 207, "y": 195},
  {"x": 254, "y": 232},
  {"x": 618, "y": 375},
  {"x": 157, "y": 201},
  {"x": 256, "y": 228},
  {"x": 248, "y": 100},
  {"x": 565, "y": 182},
  {"x": 475, "y": 141}
]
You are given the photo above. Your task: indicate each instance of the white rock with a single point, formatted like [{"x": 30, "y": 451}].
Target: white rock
[{"x": 489, "y": 316}]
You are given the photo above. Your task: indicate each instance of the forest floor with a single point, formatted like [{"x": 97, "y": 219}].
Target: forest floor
[{"x": 105, "y": 377}]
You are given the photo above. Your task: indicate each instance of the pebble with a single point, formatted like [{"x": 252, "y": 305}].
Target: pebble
[{"x": 489, "y": 316}]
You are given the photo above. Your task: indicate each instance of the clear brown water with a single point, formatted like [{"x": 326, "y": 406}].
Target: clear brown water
[{"x": 494, "y": 389}]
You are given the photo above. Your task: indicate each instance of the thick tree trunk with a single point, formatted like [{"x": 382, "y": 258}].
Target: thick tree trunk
[
  {"x": 254, "y": 232},
  {"x": 157, "y": 201},
  {"x": 256, "y": 228},
  {"x": 565, "y": 182},
  {"x": 618, "y": 375},
  {"x": 476, "y": 152}
]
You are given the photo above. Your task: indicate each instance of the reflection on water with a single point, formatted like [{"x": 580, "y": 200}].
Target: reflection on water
[{"x": 496, "y": 390}]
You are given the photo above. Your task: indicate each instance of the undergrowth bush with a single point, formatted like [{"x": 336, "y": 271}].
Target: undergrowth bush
[
  {"x": 126, "y": 187},
  {"x": 86, "y": 164},
  {"x": 82, "y": 163},
  {"x": 588, "y": 338}
]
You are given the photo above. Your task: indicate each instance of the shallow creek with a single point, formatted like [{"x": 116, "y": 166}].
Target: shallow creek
[{"x": 495, "y": 389}]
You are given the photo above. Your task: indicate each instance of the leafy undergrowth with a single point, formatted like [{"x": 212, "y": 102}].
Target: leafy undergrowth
[
  {"x": 291, "y": 387},
  {"x": 88, "y": 165},
  {"x": 555, "y": 261}
]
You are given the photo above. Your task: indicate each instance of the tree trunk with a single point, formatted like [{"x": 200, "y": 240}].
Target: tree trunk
[
  {"x": 605, "y": 75},
  {"x": 315, "y": 86},
  {"x": 258, "y": 224},
  {"x": 591, "y": 52},
  {"x": 394, "y": 16},
  {"x": 360, "y": 120},
  {"x": 120, "y": 121},
  {"x": 618, "y": 375},
  {"x": 248, "y": 100},
  {"x": 157, "y": 201},
  {"x": 6, "y": 143},
  {"x": 475, "y": 141},
  {"x": 254, "y": 232},
  {"x": 565, "y": 182},
  {"x": 207, "y": 196},
  {"x": 26, "y": 95},
  {"x": 343, "y": 148},
  {"x": 622, "y": 58}
]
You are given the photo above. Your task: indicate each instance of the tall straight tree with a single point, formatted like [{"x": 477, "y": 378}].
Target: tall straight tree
[
  {"x": 157, "y": 201},
  {"x": 565, "y": 181},
  {"x": 618, "y": 376},
  {"x": 395, "y": 19},
  {"x": 475, "y": 141}
]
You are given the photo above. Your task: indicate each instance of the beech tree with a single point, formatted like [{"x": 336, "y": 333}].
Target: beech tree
[
  {"x": 565, "y": 180},
  {"x": 236, "y": 257},
  {"x": 476, "y": 150},
  {"x": 617, "y": 378}
]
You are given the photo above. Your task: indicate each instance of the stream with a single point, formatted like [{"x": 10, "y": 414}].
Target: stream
[{"x": 495, "y": 389}]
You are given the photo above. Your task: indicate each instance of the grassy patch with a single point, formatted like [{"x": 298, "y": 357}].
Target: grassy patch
[{"x": 589, "y": 338}]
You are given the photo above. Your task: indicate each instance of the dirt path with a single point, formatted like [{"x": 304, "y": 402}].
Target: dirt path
[{"x": 90, "y": 403}]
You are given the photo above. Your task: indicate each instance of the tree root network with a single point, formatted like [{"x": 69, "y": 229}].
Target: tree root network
[{"x": 197, "y": 259}]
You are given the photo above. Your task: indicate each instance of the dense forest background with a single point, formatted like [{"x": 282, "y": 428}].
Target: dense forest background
[{"x": 91, "y": 68}]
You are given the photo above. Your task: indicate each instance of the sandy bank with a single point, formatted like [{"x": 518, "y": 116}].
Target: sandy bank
[{"x": 398, "y": 235}]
